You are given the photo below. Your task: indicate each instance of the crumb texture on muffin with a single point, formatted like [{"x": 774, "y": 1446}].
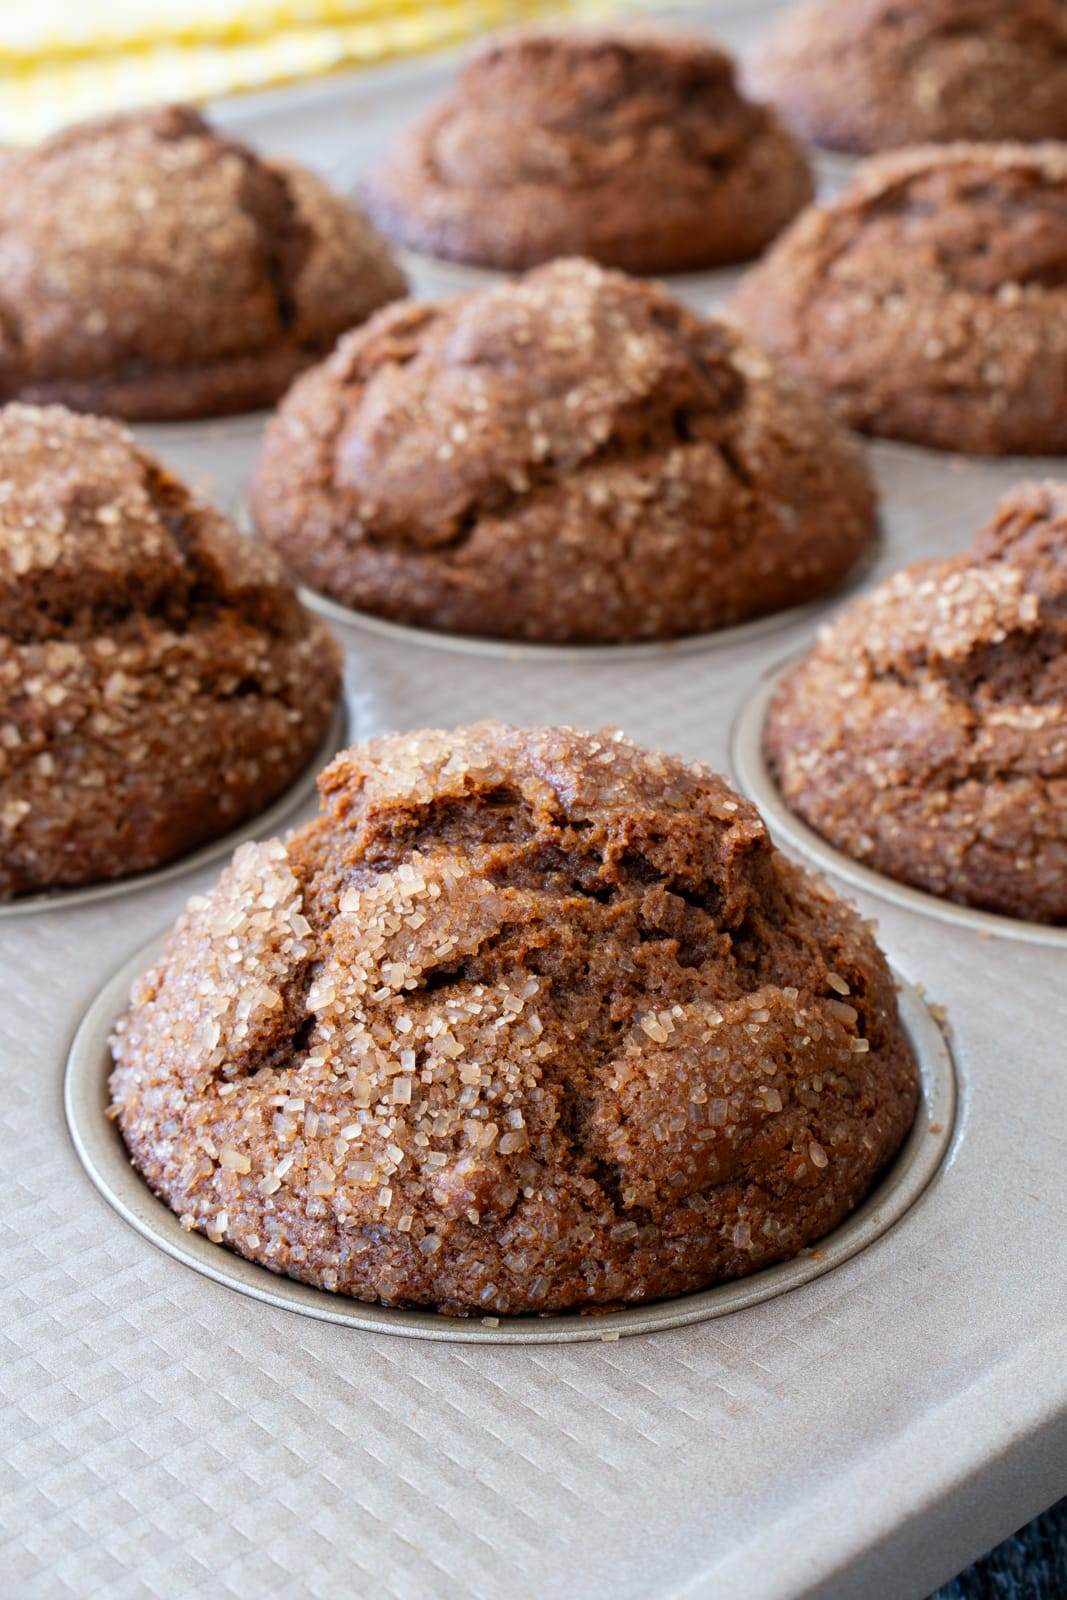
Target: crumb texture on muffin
[
  {"x": 528, "y": 1019},
  {"x": 159, "y": 680},
  {"x": 869, "y": 75},
  {"x": 572, "y": 456},
  {"x": 633, "y": 147},
  {"x": 926, "y": 734},
  {"x": 930, "y": 301},
  {"x": 153, "y": 268}
]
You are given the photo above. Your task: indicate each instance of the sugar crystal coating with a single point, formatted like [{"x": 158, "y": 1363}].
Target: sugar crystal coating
[
  {"x": 926, "y": 734},
  {"x": 929, "y": 301},
  {"x": 159, "y": 680},
  {"x": 572, "y": 456},
  {"x": 151, "y": 267},
  {"x": 528, "y": 1019}
]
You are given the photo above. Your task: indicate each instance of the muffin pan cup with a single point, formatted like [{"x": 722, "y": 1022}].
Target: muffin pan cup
[
  {"x": 104, "y": 1157},
  {"x": 869, "y": 1432},
  {"x": 754, "y": 778}
]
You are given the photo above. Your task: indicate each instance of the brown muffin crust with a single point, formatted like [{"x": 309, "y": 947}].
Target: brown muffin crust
[
  {"x": 930, "y": 302},
  {"x": 571, "y": 456},
  {"x": 159, "y": 680},
  {"x": 867, "y": 75},
  {"x": 632, "y": 147},
  {"x": 153, "y": 268},
  {"x": 529, "y": 1019},
  {"x": 926, "y": 734}
]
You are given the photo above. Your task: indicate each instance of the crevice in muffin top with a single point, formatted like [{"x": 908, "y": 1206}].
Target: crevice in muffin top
[
  {"x": 547, "y": 868},
  {"x": 669, "y": 380},
  {"x": 111, "y": 543}
]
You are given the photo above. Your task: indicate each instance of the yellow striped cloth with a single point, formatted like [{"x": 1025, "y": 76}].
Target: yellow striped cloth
[{"x": 61, "y": 60}]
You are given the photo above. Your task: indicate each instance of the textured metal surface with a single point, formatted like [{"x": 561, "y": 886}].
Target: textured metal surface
[
  {"x": 103, "y": 1155},
  {"x": 753, "y": 776},
  {"x": 865, "y": 1434}
]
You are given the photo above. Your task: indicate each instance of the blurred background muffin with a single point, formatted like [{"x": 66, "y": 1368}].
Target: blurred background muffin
[
  {"x": 929, "y": 302},
  {"x": 153, "y": 268},
  {"x": 867, "y": 75},
  {"x": 633, "y": 147}
]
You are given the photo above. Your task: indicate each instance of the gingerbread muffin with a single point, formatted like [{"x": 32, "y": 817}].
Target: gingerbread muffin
[
  {"x": 153, "y": 268},
  {"x": 527, "y": 1020},
  {"x": 159, "y": 680},
  {"x": 930, "y": 301},
  {"x": 867, "y": 75},
  {"x": 633, "y": 147},
  {"x": 926, "y": 734},
  {"x": 571, "y": 457}
]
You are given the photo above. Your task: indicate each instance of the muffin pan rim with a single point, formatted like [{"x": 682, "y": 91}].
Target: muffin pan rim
[
  {"x": 337, "y": 736},
  {"x": 104, "y": 1160},
  {"x": 753, "y": 778},
  {"x": 635, "y": 651},
  {"x": 530, "y": 650}
]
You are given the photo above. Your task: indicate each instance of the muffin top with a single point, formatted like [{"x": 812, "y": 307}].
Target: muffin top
[
  {"x": 527, "y": 1019},
  {"x": 159, "y": 680},
  {"x": 151, "y": 267},
  {"x": 570, "y": 456},
  {"x": 926, "y": 734},
  {"x": 873, "y": 74},
  {"x": 930, "y": 301},
  {"x": 633, "y": 147}
]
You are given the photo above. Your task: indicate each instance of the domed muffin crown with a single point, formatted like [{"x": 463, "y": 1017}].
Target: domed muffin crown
[
  {"x": 570, "y": 456},
  {"x": 929, "y": 302},
  {"x": 528, "y": 1019},
  {"x": 634, "y": 147},
  {"x": 874, "y": 74}
]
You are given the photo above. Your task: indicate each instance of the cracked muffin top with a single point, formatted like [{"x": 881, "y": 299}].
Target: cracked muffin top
[
  {"x": 153, "y": 268},
  {"x": 633, "y": 147},
  {"x": 929, "y": 302},
  {"x": 867, "y": 75},
  {"x": 572, "y": 456},
  {"x": 159, "y": 680},
  {"x": 527, "y": 1020},
  {"x": 926, "y": 734}
]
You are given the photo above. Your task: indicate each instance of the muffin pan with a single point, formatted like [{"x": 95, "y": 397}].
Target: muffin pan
[
  {"x": 103, "y": 1155},
  {"x": 869, "y": 1432},
  {"x": 755, "y": 779},
  {"x": 401, "y": 635}
]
